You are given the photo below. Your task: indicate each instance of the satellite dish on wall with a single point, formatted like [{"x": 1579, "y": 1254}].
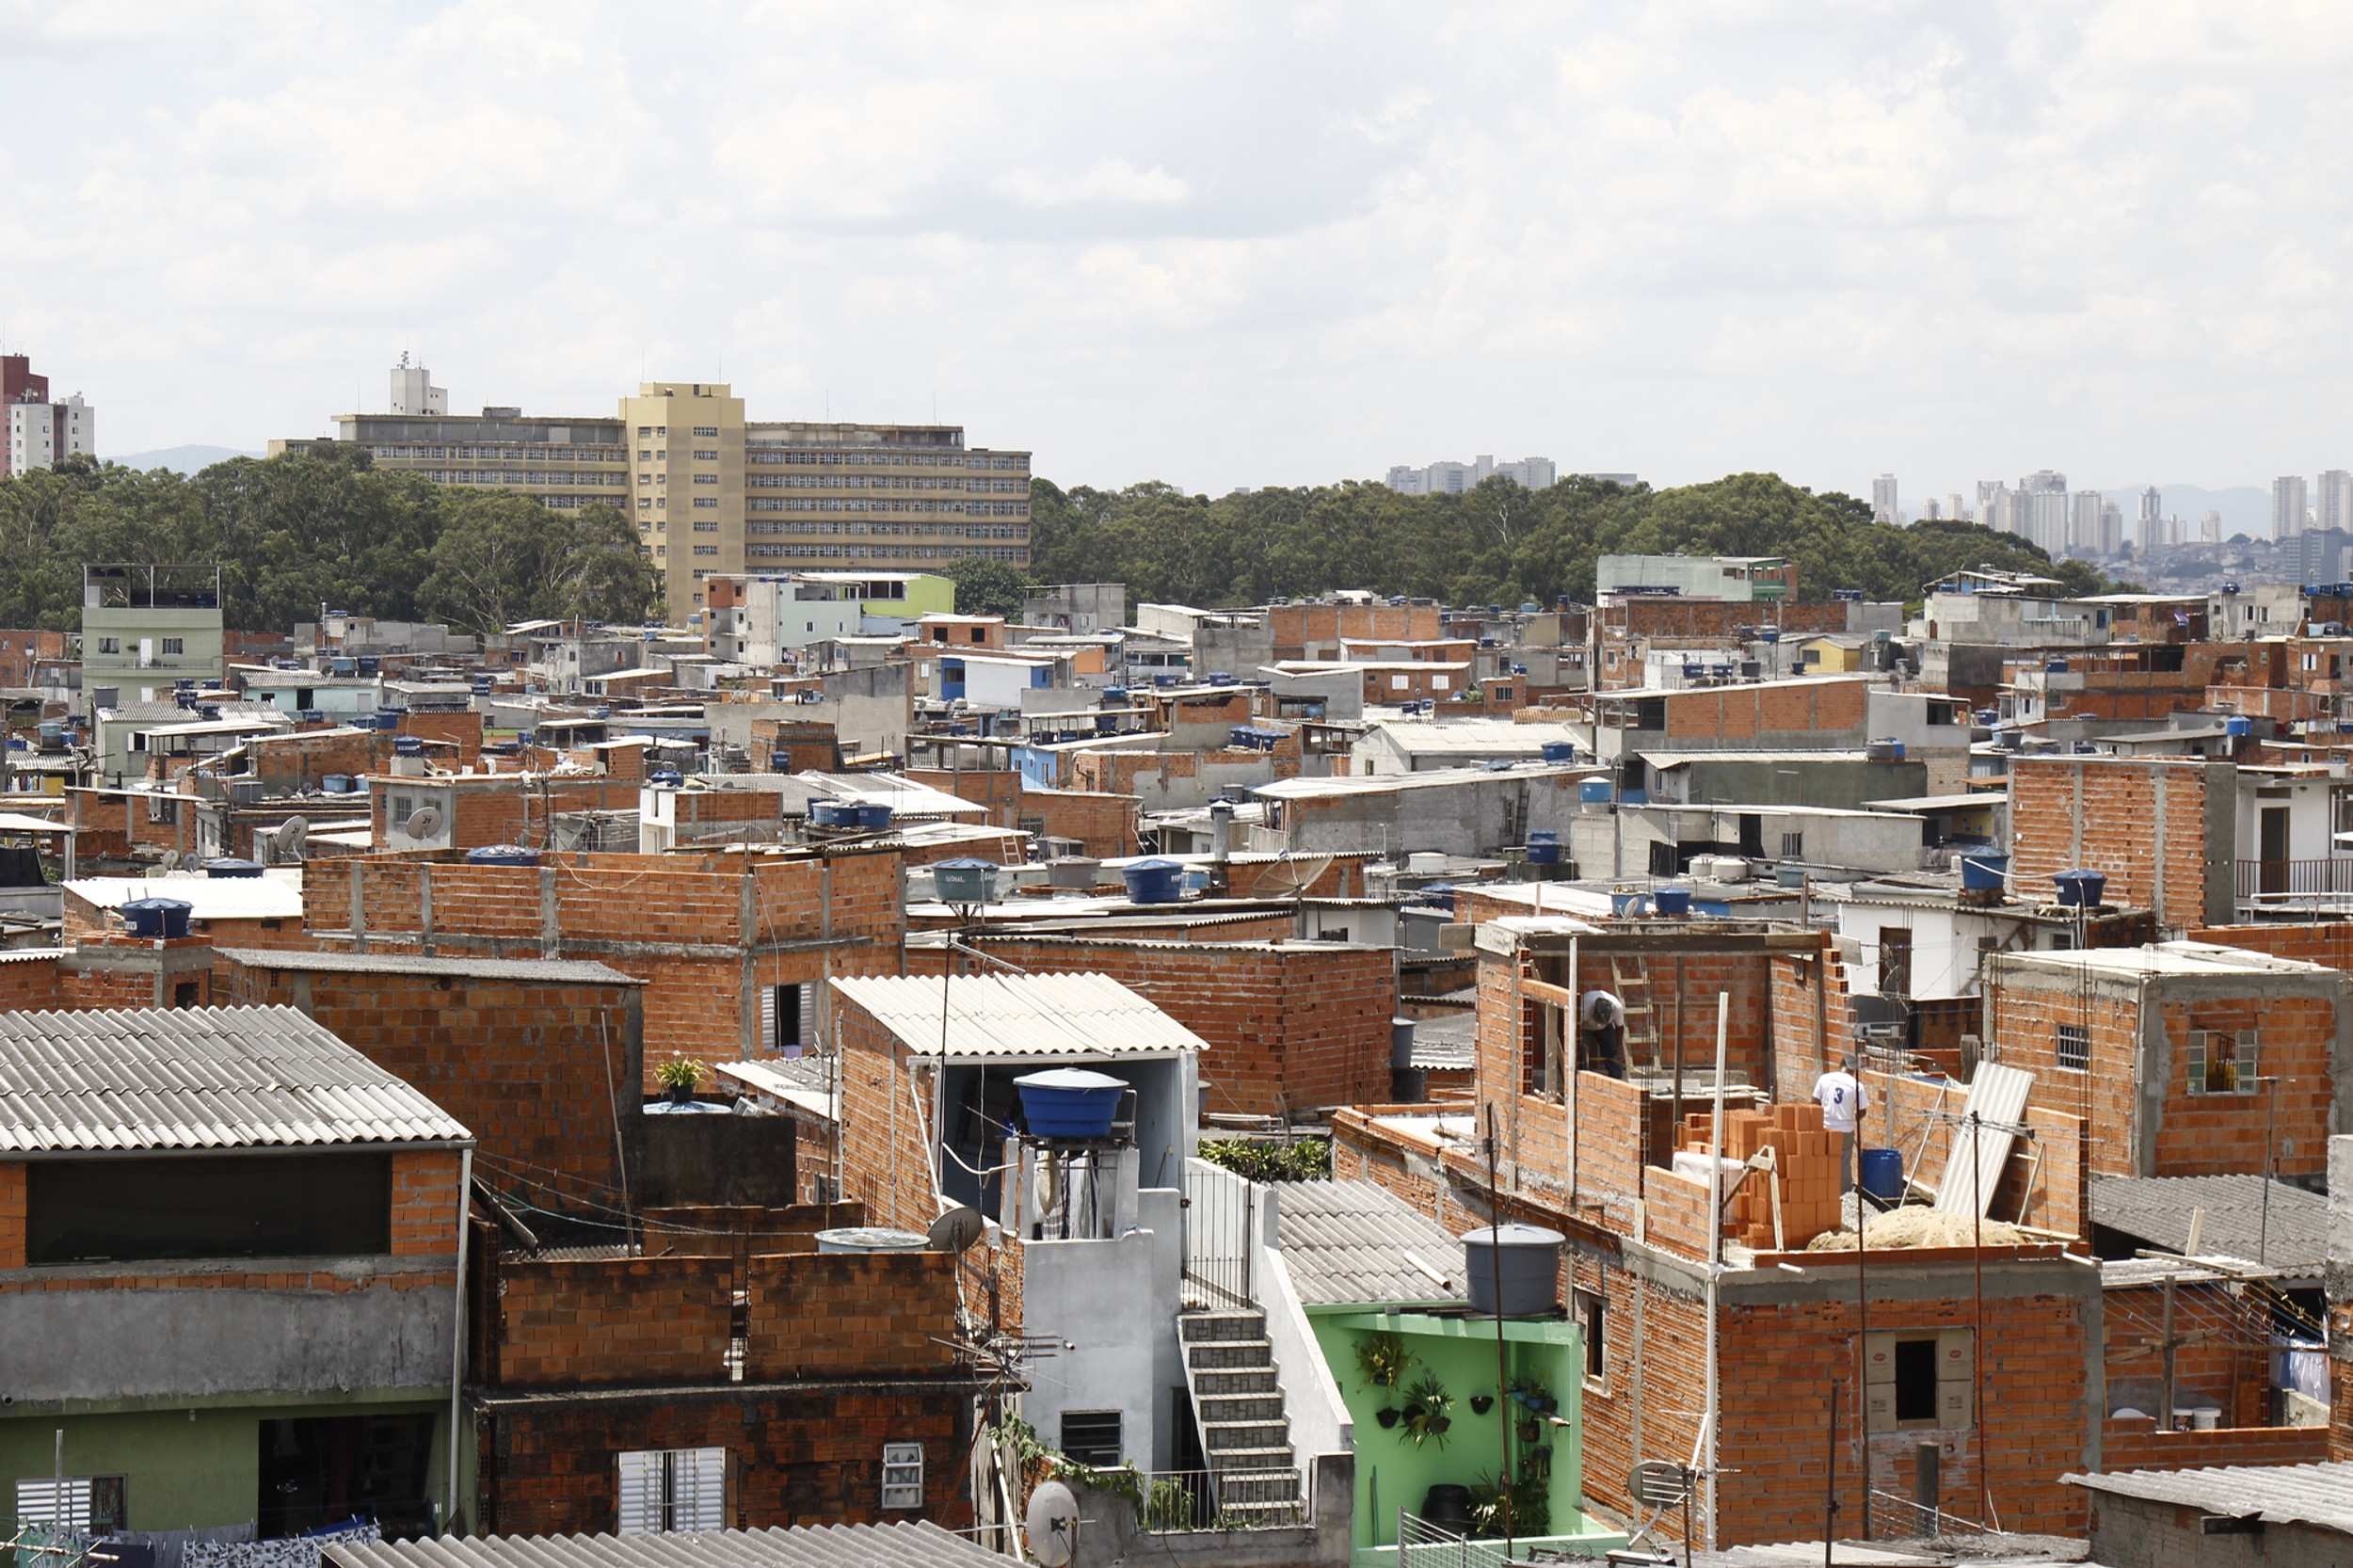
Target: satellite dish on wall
[
  {"x": 1052, "y": 1524},
  {"x": 189, "y": 862},
  {"x": 1297, "y": 872},
  {"x": 423, "y": 823},
  {"x": 291, "y": 836},
  {"x": 956, "y": 1229}
]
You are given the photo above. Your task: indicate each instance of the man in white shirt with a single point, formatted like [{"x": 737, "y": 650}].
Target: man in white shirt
[
  {"x": 1601, "y": 1019},
  {"x": 1842, "y": 1101}
]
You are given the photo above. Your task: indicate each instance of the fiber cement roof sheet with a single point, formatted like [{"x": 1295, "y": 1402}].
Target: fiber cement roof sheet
[
  {"x": 1039, "y": 1016},
  {"x": 197, "y": 1077},
  {"x": 2157, "y": 1210},
  {"x": 2320, "y": 1495},
  {"x": 559, "y": 971},
  {"x": 1355, "y": 1243}
]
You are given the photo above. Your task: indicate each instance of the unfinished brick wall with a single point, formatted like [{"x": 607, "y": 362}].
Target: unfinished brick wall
[
  {"x": 2138, "y": 1445},
  {"x": 14, "y": 1214},
  {"x": 1104, "y": 824},
  {"x": 884, "y": 1159},
  {"x": 1288, "y": 1027},
  {"x": 426, "y": 1203},
  {"x": 2141, "y": 821},
  {"x": 532, "y": 1068},
  {"x": 29, "y": 982},
  {"x": 828, "y": 1314},
  {"x": 1746, "y": 715}
]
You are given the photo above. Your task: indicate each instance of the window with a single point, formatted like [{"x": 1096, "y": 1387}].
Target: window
[
  {"x": 903, "y": 1473},
  {"x": 229, "y": 1206},
  {"x": 706, "y": 550},
  {"x": 668, "y": 1491},
  {"x": 1793, "y": 846},
  {"x": 1592, "y": 1319},
  {"x": 701, "y": 527},
  {"x": 1092, "y": 1436},
  {"x": 706, "y": 454},
  {"x": 706, "y": 430},
  {"x": 90, "y": 1505},
  {"x": 109, "y": 645},
  {"x": 706, "y": 479},
  {"x": 709, "y": 503},
  {"x": 2223, "y": 1061},
  {"x": 2074, "y": 1046},
  {"x": 1915, "y": 1380},
  {"x": 175, "y": 645}
]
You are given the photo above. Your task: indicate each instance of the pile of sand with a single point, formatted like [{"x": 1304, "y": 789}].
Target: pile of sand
[{"x": 1923, "y": 1227}]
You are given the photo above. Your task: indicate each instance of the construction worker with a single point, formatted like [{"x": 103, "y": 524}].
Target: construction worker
[
  {"x": 1601, "y": 1025},
  {"x": 1842, "y": 1101}
]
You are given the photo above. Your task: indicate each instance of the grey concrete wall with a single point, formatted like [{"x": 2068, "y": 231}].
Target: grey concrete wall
[
  {"x": 1109, "y": 1306},
  {"x": 116, "y": 1344},
  {"x": 1108, "y": 1532}
]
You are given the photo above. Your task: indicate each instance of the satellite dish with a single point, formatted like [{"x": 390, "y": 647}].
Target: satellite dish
[
  {"x": 1052, "y": 1525},
  {"x": 1297, "y": 872},
  {"x": 291, "y": 832},
  {"x": 956, "y": 1229},
  {"x": 1660, "y": 1483},
  {"x": 189, "y": 862},
  {"x": 423, "y": 823}
]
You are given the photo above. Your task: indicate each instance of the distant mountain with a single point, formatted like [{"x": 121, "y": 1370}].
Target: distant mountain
[
  {"x": 2245, "y": 509},
  {"x": 188, "y": 459}
]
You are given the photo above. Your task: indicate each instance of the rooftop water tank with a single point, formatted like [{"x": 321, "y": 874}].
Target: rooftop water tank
[
  {"x": 1673, "y": 900},
  {"x": 1544, "y": 847},
  {"x": 1072, "y": 871},
  {"x": 1983, "y": 873},
  {"x": 336, "y": 783},
  {"x": 502, "y": 854},
  {"x": 871, "y": 1238},
  {"x": 228, "y": 866},
  {"x": 870, "y": 814},
  {"x": 1152, "y": 881},
  {"x": 1883, "y": 751},
  {"x": 2238, "y": 725},
  {"x": 166, "y": 918},
  {"x": 1527, "y": 1259},
  {"x": 407, "y": 745},
  {"x": 1069, "y": 1103},
  {"x": 831, "y": 813},
  {"x": 1557, "y": 751},
  {"x": 2081, "y": 888},
  {"x": 964, "y": 881}
]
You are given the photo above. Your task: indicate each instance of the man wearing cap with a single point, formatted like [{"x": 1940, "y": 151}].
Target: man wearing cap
[
  {"x": 1601, "y": 1019},
  {"x": 1842, "y": 1101}
]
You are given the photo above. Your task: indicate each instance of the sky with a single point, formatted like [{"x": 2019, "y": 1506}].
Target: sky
[{"x": 1220, "y": 244}]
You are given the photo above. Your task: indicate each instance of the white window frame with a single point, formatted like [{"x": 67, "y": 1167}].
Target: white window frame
[
  {"x": 2246, "y": 1061},
  {"x": 671, "y": 1491},
  {"x": 901, "y": 1477}
]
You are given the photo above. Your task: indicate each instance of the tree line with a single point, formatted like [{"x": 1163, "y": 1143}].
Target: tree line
[
  {"x": 1496, "y": 544},
  {"x": 321, "y": 527}
]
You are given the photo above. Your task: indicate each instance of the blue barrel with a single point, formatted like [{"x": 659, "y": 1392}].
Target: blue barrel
[
  {"x": 2239, "y": 724},
  {"x": 1154, "y": 880},
  {"x": 1559, "y": 751},
  {"x": 870, "y": 814},
  {"x": 964, "y": 881},
  {"x": 1069, "y": 1103},
  {"x": 369, "y": 663},
  {"x": 1544, "y": 847},
  {"x": 166, "y": 918},
  {"x": 2081, "y": 888},
  {"x": 1593, "y": 792},
  {"x": 826, "y": 813},
  {"x": 310, "y": 715},
  {"x": 1672, "y": 901},
  {"x": 1884, "y": 1174},
  {"x": 230, "y": 866},
  {"x": 502, "y": 854}
]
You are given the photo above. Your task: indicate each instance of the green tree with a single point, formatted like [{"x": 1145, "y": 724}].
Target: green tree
[{"x": 986, "y": 588}]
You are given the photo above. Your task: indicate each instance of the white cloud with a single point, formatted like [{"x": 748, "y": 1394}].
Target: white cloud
[{"x": 1221, "y": 242}]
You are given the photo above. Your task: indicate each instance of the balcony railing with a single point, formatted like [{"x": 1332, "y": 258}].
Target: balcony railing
[{"x": 2260, "y": 879}]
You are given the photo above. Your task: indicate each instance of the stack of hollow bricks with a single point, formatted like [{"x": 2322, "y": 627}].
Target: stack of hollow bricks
[
  {"x": 675, "y": 922},
  {"x": 1804, "y": 1155}
]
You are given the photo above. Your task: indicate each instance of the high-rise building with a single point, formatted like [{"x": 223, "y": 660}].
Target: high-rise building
[
  {"x": 1995, "y": 509},
  {"x": 2210, "y": 528},
  {"x": 39, "y": 431},
  {"x": 889, "y": 497},
  {"x": 1952, "y": 507},
  {"x": 1452, "y": 478},
  {"x": 2083, "y": 521},
  {"x": 2112, "y": 528},
  {"x": 413, "y": 392},
  {"x": 1884, "y": 504},
  {"x": 2333, "y": 505},
  {"x": 1931, "y": 510},
  {"x": 2287, "y": 507},
  {"x": 2150, "y": 522}
]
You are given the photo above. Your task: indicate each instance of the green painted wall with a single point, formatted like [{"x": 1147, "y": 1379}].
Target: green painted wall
[
  {"x": 1392, "y": 1471},
  {"x": 182, "y": 1472},
  {"x": 926, "y": 596}
]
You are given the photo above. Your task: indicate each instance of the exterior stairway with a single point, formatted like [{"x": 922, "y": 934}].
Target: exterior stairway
[{"x": 1237, "y": 1406}]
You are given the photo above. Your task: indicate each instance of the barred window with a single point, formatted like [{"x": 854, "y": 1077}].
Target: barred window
[{"x": 2074, "y": 1046}]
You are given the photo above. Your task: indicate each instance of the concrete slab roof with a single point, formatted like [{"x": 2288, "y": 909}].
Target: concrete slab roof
[
  {"x": 209, "y": 898},
  {"x": 2168, "y": 959},
  {"x": 1382, "y": 784}
]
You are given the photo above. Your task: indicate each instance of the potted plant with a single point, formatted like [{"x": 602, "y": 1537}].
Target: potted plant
[
  {"x": 1383, "y": 1358},
  {"x": 679, "y": 1075},
  {"x": 1429, "y": 1410},
  {"x": 1481, "y": 1403}
]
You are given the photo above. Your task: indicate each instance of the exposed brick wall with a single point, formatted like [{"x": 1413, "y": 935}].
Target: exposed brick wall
[
  {"x": 528, "y": 1067},
  {"x": 2223, "y": 1362},
  {"x": 823, "y": 1314},
  {"x": 29, "y": 984},
  {"x": 2104, "y": 814},
  {"x": 613, "y": 1323},
  {"x": 13, "y": 1239},
  {"x": 424, "y": 1203},
  {"x": 2130, "y": 1445},
  {"x": 1105, "y": 824},
  {"x": 1288, "y": 1027}
]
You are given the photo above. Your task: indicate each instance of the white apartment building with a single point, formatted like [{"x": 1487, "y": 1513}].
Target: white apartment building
[
  {"x": 2287, "y": 507},
  {"x": 1450, "y": 478},
  {"x": 1885, "y": 506},
  {"x": 40, "y": 433},
  {"x": 413, "y": 392}
]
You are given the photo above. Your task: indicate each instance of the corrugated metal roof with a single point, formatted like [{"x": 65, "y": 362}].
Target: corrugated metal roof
[
  {"x": 1021, "y": 1016},
  {"x": 2157, "y": 1210},
  {"x": 1355, "y": 1243},
  {"x": 563, "y": 971},
  {"x": 2320, "y": 1495},
  {"x": 209, "y": 898},
  {"x": 197, "y": 1077}
]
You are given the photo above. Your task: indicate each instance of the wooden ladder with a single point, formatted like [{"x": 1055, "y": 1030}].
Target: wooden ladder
[{"x": 1629, "y": 979}]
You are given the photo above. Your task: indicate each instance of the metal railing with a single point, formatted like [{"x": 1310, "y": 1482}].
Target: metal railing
[
  {"x": 1899, "y": 1518},
  {"x": 2295, "y": 878},
  {"x": 1221, "y": 1216},
  {"x": 1180, "y": 1500},
  {"x": 1423, "y": 1544}
]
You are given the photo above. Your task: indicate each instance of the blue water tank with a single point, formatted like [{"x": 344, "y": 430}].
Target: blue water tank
[
  {"x": 1672, "y": 901},
  {"x": 1069, "y": 1103},
  {"x": 665, "y": 778},
  {"x": 1557, "y": 751},
  {"x": 2237, "y": 725},
  {"x": 1882, "y": 1173},
  {"x": 2081, "y": 888},
  {"x": 336, "y": 783},
  {"x": 1154, "y": 880},
  {"x": 831, "y": 813},
  {"x": 502, "y": 854},
  {"x": 1544, "y": 847},
  {"x": 1593, "y": 792},
  {"x": 1983, "y": 873},
  {"x": 166, "y": 918},
  {"x": 407, "y": 745},
  {"x": 870, "y": 814},
  {"x": 369, "y": 663},
  {"x": 310, "y": 715},
  {"x": 231, "y": 866}
]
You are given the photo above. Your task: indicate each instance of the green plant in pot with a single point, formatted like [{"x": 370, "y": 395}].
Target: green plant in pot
[
  {"x": 1381, "y": 1360},
  {"x": 1429, "y": 1410},
  {"x": 679, "y": 1075}
]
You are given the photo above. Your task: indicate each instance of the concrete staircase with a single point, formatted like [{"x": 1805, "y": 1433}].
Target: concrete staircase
[{"x": 1237, "y": 1406}]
